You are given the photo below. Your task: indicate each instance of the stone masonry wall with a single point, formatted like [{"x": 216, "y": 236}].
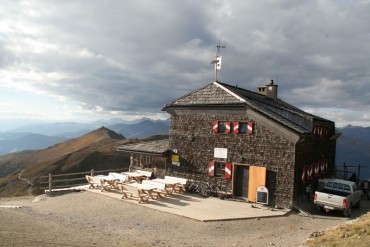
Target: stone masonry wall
[{"x": 192, "y": 135}]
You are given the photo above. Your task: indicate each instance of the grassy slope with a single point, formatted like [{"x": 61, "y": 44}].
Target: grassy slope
[{"x": 355, "y": 233}]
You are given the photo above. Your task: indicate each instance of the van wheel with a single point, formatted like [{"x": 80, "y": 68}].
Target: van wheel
[
  {"x": 348, "y": 211},
  {"x": 319, "y": 209}
]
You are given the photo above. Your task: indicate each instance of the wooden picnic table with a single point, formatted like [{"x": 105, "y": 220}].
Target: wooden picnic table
[
  {"x": 138, "y": 177},
  {"x": 145, "y": 189},
  {"x": 168, "y": 183},
  {"x": 108, "y": 182}
]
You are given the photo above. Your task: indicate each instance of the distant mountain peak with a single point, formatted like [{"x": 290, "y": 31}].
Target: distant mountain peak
[
  {"x": 350, "y": 126},
  {"x": 108, "y": 133}
]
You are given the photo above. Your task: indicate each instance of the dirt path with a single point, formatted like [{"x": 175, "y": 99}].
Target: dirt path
[
  {"x": 29, "y": 190},
  {"x": 87, "y": 219}
]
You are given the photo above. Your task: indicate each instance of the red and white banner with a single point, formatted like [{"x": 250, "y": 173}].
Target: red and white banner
[
  {"x": 314, "y": 170},
  {"x": 303, "y": 176}
]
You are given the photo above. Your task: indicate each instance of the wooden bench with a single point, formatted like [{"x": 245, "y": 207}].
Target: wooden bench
[
  {"x": 133, "y": 191},
  {"x": 160, "y": 188},
  {"x": 181, "y": 182},
  {"x": 121, "y": 187},
  {"x": 96, "y": 182}
]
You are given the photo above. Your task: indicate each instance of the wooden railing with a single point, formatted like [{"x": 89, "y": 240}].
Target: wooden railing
[{"x": 68, "y": 180}]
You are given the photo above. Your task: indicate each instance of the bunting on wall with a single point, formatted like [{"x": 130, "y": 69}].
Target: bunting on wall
[
  {"x": 316, "y": 169},
  {"x": 320, "y": 131}
]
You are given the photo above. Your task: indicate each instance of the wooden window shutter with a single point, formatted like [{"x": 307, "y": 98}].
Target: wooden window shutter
[
  {"x": 227, "y": 127},
  {"x": 228, "y": 169},
  {"x": 236, "y": 127},
  {"x": 215, "y": 126},
  {"x": 211, "y": 169},
  {"x": 250, "y": 128}
]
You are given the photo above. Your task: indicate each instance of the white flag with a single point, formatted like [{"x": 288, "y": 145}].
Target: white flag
[{"x": 218, "y": 64}]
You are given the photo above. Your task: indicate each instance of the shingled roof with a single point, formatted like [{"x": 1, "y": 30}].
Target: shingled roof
[
  {"x": 158, "y": 147},
  {"x": 221, "y": 94}
]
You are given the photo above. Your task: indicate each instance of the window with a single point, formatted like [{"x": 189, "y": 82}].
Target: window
[
  {"x": 243, "y": 128},
  {"x": 246, "y": 128},
  {"x": 346, "y": 187},
  {"x": 233, "y": 127},
  {"x": 222, "y": 127},
  {"x": 340, "y": 186},
  {"x": 329, "y": 184},
  {"x": 335, "y": 185},
  {"x": 219, "y": 169}
]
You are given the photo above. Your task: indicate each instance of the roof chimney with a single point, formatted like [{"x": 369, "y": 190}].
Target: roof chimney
[{"x": 271, "y": 90}]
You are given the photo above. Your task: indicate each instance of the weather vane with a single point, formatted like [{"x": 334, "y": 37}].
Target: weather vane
[{"x": 217, "y": 61}]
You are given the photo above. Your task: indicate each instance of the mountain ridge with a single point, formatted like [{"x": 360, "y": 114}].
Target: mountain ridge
[
  {"x": 94, "y": 150},
  {"x": 43, "y": 135}
]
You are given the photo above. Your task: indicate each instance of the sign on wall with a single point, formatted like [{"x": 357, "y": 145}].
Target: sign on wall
[
  {"x": 220, "y": 153},
  {"x": 175, "y": 159},
  {"x": 262, "y": 195}
]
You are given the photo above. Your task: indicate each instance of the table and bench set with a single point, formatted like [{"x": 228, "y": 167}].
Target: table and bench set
[{"x": 138, "y": 184}]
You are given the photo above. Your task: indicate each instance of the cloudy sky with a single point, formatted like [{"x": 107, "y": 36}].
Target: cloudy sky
[{"x": 79, "y": 60}]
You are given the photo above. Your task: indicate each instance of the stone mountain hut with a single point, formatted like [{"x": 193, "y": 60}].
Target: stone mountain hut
[{"x": 254, "y": 139}]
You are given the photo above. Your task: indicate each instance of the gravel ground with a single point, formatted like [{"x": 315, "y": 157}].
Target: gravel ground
[{"x": 88, "y": 219}]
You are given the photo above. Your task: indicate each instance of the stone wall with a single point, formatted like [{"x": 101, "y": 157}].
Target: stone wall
[{"x": 191, "y": 133}]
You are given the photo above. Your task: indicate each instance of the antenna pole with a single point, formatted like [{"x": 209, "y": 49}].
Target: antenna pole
[{"x": 217, "y": 61}]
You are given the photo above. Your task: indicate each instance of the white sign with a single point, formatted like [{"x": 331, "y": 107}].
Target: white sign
[
  {"x": 220, "y": 153},
  {"x": 262, "y": 195}
]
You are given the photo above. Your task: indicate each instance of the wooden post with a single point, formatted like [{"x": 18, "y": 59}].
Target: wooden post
[
  {"x": 50, "y": 183},
  {"x": 92, "y": 172},
  {"x": 165, "y": 165},
  {"x": 131, "y": 162}
]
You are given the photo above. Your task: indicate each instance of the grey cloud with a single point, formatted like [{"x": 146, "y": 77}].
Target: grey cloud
[{"x": 141, "y": 54}]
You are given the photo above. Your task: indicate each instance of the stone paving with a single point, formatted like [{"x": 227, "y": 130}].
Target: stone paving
[{"x": 203, "y": 209}]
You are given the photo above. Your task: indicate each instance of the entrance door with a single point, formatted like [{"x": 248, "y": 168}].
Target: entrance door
[{"x": 241, "y": 178}]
